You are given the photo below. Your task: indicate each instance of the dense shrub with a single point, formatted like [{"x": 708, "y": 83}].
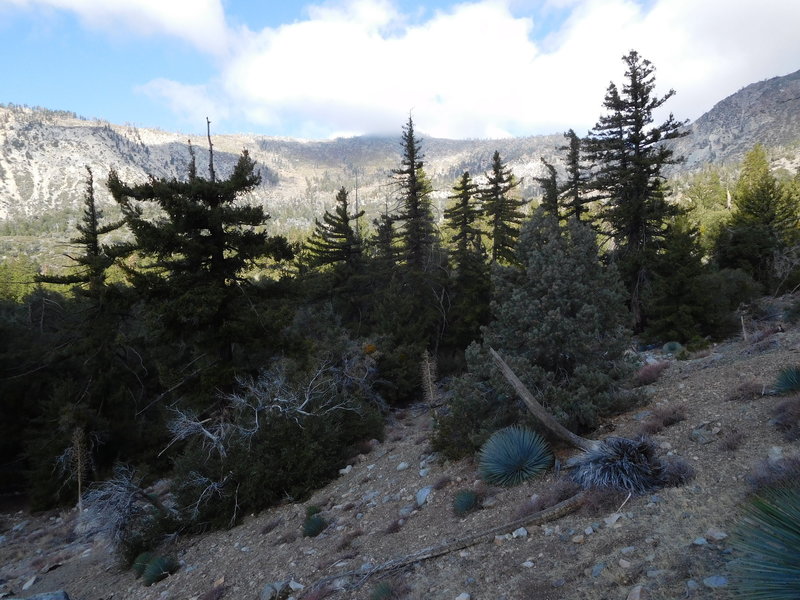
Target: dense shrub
[
  {"x": 559, "y": 321},
  {"x": 281, "y": 436}
]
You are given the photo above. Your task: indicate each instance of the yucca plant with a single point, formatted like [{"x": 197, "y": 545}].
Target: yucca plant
[
  {"x": 621, "y": 464},
  {"x": 314, "y": 525},
  {"x": 769, "y": 539},
  {"x": 788, "y": 380},
  {"x": 158, "y": 568},
  {"x": 465, "y": 502},
  {"x": 140, "y": 562},
  {"x": 513, "y": 455},
  {"x": 672, "y": 348}
]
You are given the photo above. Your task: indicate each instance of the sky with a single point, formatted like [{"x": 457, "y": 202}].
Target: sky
[{"x": 328, "y": 68}]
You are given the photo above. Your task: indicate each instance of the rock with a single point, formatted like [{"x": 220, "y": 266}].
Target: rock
[
  {"x": 464, "y": 596},
  {"x": 715, "y": 581},
  {"x": 527, "y": 564},
  {"x": 557, "y": 583},
  {"x": 702, "y": 434},
  {"x": 625, "y": 564},
  {"x": 597, "y": 569},
  {"x": 692, "y": 585},
  {"x": 774, "y": 455},
  {"x": 701, "y": 541},
  {"x": 422, "y": 495},
  {"x": 295, "y": 586},
  {"x": 489, "y": 502},
  {"x": 20, "y": 526},
  {"x": 628, "y": 549},
  {"x": 424, "y": 472},
  {"x": 578, "y": 539},
  {"x": 635, "y": 593},
  {"x": 521, "y": 532},
  {"x": 28, "y": 584},
  {"x": 406, "y": 511},
  {"x": 588, "y": 531},
  {"x": 402, "y": 466},
  {"x": 346, "y": 470},
  {"x": 716, "y": 535},
  {"x": 277, "y": 590}
]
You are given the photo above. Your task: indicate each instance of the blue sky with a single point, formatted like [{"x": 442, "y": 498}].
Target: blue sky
[{"x": 477, "y": 68}]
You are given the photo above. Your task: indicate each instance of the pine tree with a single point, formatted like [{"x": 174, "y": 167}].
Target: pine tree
[
  {"x": 96, "y": 258},
  {"x": 193, "y": 265},
  {"x": 417, "y": 232},
  {"x": 502, "y": 211},
  {"x": 572, "y": 193},
  {"x": 629, "y": 154},
  {"x": 334, "y": 240},
  {"x": 470, "y": 284},
  {"x": 550, "y": 188},
  {"x": 763, "y": 222}
]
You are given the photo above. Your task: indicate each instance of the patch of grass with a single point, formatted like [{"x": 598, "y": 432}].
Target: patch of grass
[
  {"x": 788, "y": 381},
  {"x": 214, "y": 593},
  {"x": 662, "y": 417},
  {"x": 786, "y": 417},
  {"x": 560, "y": 490},
  {"x": 774, "y": 473},
  {"x": 271, "y": 525},
  {"x": 391, "y": 589},
  {"x": 601, "y": 501},
  {"x": 676, "y": 471},
  {"x": 749, "y": 390},
  {"x": 442, "y": 483},
  {"x": 649, "y": 373},
  {"x": 732, "y": 440},
  {"x": 287, "y": 538},
  {"x": 394, "y": 526},
  {"x": 347, "y": 539}
]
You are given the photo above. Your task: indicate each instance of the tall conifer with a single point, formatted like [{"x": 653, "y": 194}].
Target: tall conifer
[{"x": 501, "y": 210}]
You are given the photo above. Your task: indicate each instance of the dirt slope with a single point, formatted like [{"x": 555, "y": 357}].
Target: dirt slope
[{"x": 660, "y": 546}]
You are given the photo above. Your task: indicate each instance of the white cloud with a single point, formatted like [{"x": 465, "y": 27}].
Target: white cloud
[
  {"x": 480, "y": 68},
  {"x": 199, "y": 22},
  {"x": 194, "y": 103}
]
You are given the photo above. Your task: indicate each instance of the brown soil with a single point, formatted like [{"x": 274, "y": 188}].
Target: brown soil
[{"x": 552, "y": 561}]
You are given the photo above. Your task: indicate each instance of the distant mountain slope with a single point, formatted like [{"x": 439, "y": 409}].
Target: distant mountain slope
[
  {"x": 767, "y": 112},
  {"x": 43, "y": 154}
]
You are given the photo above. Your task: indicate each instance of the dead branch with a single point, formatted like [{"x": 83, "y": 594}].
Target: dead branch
[
  {"x": 356, "y": 578},
  {"x": 538, "y": 411}
]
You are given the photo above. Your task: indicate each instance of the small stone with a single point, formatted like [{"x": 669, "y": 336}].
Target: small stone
[
  {"x": 499, "y": 540},
  {"x": 405, "y": 512},
  {"x": 422, "y": 495},
  {"x": 346, "y": 470},
  {"x": 547, "y": 530},
  {"x": 597, "y": 569},
  {"x": 402, "y": 466},
  {"x": 489, "y": 502},
  {"x": 464, "y": 596},
  {"x": 527, "y": 564},
  {"x": 665, "y": 446},
  {"x": 424, "y": 472},
  {"x": 612, "y": 519},
  {"x": 635, "y": 593},
  {"x": 245, "y": 549},
  {"x": 557, "y": 583},
  {"x": 653, "y": 573},
  {"x": 578, "y": 539},
  {"x": 716, "y": 534},
  {"x": 775, "y": 454},
  {"x": 296, "y": 586},
  {"x": 625, "y": 564},
  {"x": 692, "y": 585},
  {"x": 701, "y": 541},
  {"x": 521, "y": 532},
  {"x": 588, "y": 531},
  {"x": 715, "y": 581},
  {"x": 628, "y": 549},
  {"x": 463, "y": 554},
  {"x": 28, "y": 584},
  {"x": 702, "y": 434}
]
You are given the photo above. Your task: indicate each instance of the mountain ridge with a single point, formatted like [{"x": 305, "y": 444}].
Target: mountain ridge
[{"x": 43, "y": 154}]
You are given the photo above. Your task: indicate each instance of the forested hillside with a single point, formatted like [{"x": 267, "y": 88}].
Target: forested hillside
[{"x": 192, "y": 335}]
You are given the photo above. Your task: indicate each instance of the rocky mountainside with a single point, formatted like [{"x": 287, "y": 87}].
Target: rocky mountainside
[
  {"x": 767, "y": 112},
  {"x": 43, "y": 154}
]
